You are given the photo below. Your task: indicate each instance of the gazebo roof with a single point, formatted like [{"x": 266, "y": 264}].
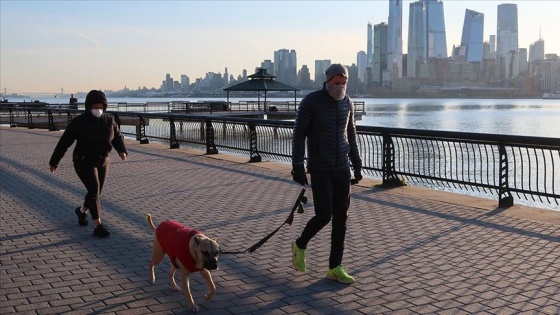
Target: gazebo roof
[{"x": 261, "y": 81}]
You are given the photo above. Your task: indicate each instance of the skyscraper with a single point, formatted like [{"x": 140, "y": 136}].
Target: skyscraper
[
  {"x": 361, "y": 62},
  {"x": 507, "y": 42},
  {"x": 426, "y": 34},
  {"x": 536, "y": 51},
  {"x": 523, "y": 64},
  {"x": 266, "y": 64},
  {"x": 473, "y": 34},
  {"x": 380, "y": 36},
  {"x": 285, "y": 66},
  {"x": 320, "y": 67},
  {"x": 369, "y": 47},
  {"x": 394, "y": 47}
]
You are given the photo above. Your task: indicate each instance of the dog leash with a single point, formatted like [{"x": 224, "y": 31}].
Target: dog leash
[{"x": 298, "y": 205}]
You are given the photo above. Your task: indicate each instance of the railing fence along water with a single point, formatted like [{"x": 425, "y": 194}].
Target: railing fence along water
[{"x": 507, "y": 166}]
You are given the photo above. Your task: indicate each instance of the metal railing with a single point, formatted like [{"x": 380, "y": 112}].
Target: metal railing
[{"x": 503, "y": 165}]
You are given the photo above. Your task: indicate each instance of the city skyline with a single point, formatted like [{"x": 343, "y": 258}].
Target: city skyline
[{"x": 109, "y": 45}]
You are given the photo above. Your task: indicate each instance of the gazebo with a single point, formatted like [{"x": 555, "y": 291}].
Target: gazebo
[{"x": 261, "y": 81}]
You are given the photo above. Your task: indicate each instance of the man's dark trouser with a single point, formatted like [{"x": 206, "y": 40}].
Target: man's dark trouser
[
  {"x": 331, "y": 196},
  {"x": 93, "y": 177}
]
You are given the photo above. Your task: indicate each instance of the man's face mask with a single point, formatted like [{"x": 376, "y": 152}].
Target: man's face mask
[
  {"x": 97, "y": 112},
  {"x": 337, "y": 91}
]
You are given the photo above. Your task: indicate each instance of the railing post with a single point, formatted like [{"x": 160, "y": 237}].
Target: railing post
[
  {"x": 143, "y": 139},
  {"x": 69, "y": 118},
  {"x": 12, "y": 119},
  {"x": 505, "y": 197},
  {"x": 210, "y": 145},
  {"x": 390, "y": 179},
  {"x": 52, "y": 127},
  {"x": 117, "y": 119},
  {"x": 255, "y": 156},
  {"x": 30, "y": 124},
  {"x": 173, "y": 143}
]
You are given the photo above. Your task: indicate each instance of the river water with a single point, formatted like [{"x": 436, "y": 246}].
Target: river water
[{"x": 526, "y": 117}]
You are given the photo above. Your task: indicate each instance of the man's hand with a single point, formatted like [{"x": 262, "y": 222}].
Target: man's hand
[
  {"x": 298, "y": 174},
  {"x": 123, "y": 156},
  {"x": 52, "y": 169},
  {"x": 357, "y": 175}
]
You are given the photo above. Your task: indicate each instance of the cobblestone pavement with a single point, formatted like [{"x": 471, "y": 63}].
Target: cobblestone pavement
[{"x": 410, "y": 253}]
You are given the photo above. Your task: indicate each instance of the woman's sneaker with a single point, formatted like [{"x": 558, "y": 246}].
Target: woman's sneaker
[
  {"x": 82, "y": 217},
  {"x": 100, "y": 231}
]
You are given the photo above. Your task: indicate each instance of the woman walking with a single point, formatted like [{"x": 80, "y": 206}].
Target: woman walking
[{"x": 96, "y": 134}]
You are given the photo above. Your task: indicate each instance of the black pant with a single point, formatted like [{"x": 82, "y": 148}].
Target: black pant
[
  {"x": 331, "y": 196},
  {"x": 93, "y": 177}
]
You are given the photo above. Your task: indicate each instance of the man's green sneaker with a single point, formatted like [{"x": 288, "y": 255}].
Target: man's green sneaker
[
  {"x": 298, "y": 257},
  {"x": 340, "y": 275}
]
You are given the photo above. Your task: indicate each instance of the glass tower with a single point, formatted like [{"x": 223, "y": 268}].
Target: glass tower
[
  {"x": 507, "y": 41},
  {"x": 369, "y": 48},
  {"x": 285, "y": 66},
  {"x": 473, "y": 34},
  {"x": 380, "y": 32},
  {"x": 536, "y": 51},
  {"x": 394, "y": 47},
  {"x": 426, "y": 34}
]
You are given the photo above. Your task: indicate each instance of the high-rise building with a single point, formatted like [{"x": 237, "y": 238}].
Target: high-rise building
[
  {"x": 285, "y": 66},
  {"x": 369, "y": 47},
  {"x": 167, "y": 84},
  {"x": 380, "y": 41},
  {"x": 523, "y": 65},
  {"x": 426, "y": 34},
  {"x": 473, "y": 34},
  {"x": 536, "y": 51},
  {"x": 320, "y": 67},
  {"x": 493, "y": 46},
  {"x": 266, "y": 64},
  {"x": 507, "y": 42},
  {"x": 304, "y": 76},
  {"x": 394, "y": 47},
  {"x": 185, "y": 82},
  {"x": 362, "y": 64}
]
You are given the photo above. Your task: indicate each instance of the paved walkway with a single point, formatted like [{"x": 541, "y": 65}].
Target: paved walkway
[{"x": 413, "y": 251}]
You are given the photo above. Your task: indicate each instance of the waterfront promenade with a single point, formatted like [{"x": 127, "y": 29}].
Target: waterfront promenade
[{"x": 412, "y": 250}]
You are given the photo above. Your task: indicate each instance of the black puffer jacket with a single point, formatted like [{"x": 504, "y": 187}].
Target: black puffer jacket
[
  {"x": 330, "y": 130},
  {"x": 95, "y": 137}
]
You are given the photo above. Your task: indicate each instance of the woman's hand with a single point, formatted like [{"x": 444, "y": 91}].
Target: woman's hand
[
  {"x": 123, "y": 156},
  {"x": 53, "y": 169}
]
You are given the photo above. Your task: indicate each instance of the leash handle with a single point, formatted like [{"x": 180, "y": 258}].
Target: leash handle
[{"x": 300, "y": 199}]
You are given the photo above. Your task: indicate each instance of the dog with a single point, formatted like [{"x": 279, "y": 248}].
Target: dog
[{"x": 189, "y": 251}]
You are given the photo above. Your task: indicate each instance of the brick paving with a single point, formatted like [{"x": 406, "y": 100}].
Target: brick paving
[{"x": 410, "y": 254}]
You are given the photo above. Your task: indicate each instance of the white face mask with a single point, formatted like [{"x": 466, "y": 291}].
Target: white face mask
[
  {"x": 336, "y": 91},
  {"x": 97, "y": 112}
]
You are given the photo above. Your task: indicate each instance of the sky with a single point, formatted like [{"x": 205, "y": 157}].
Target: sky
[{"x": 46, "y": 46}]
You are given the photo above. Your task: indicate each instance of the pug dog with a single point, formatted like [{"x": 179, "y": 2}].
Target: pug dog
[{"x": 189, "y": 251}]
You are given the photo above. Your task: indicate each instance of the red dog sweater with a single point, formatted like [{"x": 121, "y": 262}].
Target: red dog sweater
[{"x": 175, "y": 238}]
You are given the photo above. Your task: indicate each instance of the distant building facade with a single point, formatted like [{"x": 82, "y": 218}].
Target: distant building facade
[
  {"x": 320, "y": 68},
  {"x": 394, "y": 41},
  {"x": 426, "y": 34},
  {"x": 285, "y": 66},
  {"x": 362, "y": 64},
  {"x": 472, "y": 36},
  {"x": 380, "y": 44},
  {"x": 507, "y": 46}
]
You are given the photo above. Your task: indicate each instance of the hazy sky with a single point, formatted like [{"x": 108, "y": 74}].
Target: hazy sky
[{"x": 82, "y": 45}]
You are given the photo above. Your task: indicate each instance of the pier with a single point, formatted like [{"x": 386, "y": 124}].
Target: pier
[{"x": 412, "y": 250}]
